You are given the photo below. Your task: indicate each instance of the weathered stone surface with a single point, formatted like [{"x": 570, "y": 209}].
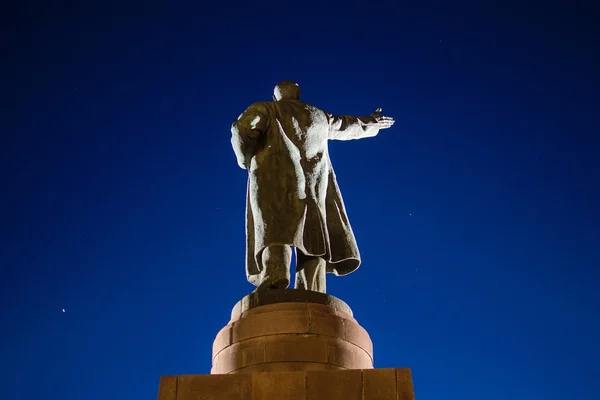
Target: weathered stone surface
[
  {"x": 272, "y": 323},
  {"x": 275, "y": 296},
  {"x": 292, "y": 197},
  {"x": 274, "y": 307},
  {"x": 379, "y": 384},
  {"x": 404, "y": 384},
  {"x": 328, "y": 309},
  {"x": 334, "y": 385},
  {"x": 239, "y": 355},
  {"x": 315, "y": 335},
  {"x": 309, "y": 348},
  {"x": 223, "y": 339},
  {"x": 289, "y": 366},
  {"x": 282, "y": 385},
  {"x": 347, "y": 355},
  {"x": 356, "y": 334},
  {"x": 374, "y": 384},
  {"x": 167, "y": 388},
  {"x": 214, "y": 387},
  {"x": 326, "y": 324}
]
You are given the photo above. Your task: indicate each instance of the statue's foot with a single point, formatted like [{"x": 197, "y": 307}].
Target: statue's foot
[
  {"x": 281, "y": 283},
  {"x": 270, "y": 284}
]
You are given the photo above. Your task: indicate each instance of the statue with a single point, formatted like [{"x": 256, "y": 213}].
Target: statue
[{"x": 293, "y": 199}]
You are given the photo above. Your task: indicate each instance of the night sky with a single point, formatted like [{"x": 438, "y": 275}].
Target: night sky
[{"x": 477, "y": 214}]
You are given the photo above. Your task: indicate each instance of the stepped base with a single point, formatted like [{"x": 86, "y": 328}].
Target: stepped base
[
  {"x": 291, "y": 330},
  {"x": 370, "y": 384}
]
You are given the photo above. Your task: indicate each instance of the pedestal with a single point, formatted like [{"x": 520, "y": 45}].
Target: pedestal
[
  {"x": 291, "y": 345},
  {"x": 291, "y": 330},
  {"x": 370, "y": 384}
]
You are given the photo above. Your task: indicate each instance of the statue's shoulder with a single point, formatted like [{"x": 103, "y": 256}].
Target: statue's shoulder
[
  {"x": 259, "y": 105},
  {"x": 301, "y": 104},
  {"x": 313, "y": 108}
]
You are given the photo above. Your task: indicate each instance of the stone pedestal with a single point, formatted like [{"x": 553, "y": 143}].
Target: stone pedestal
[
  {"x": 291, "y": 330},
  {"x": 291, "y": 345},
  {"x": 368, "y": 384}
]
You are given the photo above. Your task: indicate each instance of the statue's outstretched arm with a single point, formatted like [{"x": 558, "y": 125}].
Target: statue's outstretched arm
[{"x": 345, "y": 127}]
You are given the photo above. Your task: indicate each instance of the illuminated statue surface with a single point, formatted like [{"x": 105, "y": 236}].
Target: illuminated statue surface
[{"x": 293, "y": 200}]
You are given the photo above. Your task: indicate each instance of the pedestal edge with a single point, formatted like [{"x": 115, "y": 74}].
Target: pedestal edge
[{"x": 257, "y": 299}]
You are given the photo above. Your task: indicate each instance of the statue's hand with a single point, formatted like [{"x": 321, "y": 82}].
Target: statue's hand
[{"x": 380, "y": 121}]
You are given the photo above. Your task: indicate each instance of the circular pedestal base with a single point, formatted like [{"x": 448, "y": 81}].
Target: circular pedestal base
[{"x": 291, "y": 330}]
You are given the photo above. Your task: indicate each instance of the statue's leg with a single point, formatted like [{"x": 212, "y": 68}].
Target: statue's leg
[
  {"x": 276, "y": 262},
  {"x": 310, "y": 272}
]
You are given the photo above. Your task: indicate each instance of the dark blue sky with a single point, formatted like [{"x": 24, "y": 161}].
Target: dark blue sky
[{"x": 477, "y": 214}]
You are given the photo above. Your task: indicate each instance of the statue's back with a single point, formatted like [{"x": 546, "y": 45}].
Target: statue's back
[{"x": 304, "y": 124}]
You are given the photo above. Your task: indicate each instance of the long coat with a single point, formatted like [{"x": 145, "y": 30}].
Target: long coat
[{"x": 292, "y": 196}]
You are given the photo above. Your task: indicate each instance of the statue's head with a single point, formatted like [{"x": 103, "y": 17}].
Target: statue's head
[{"x": 286, "y": 90}]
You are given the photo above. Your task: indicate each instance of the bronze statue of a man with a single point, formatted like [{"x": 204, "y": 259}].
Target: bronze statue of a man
[{"x": 293, "y": 198}]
